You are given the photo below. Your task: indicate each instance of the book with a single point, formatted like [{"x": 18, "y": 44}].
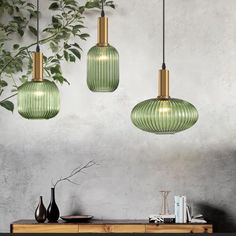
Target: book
[
  {"x": 189, "y": 218},
  {"x": 184, "y": 210},
  {"x": 200, "y": 221},
  {"x": 180, "y": 209},
  {"x": 177, "y": 209}
]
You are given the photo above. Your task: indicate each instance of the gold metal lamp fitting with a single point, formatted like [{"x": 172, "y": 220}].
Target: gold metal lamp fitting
[
  {"x": 163, "y": 88},
  {"x": 37, "y": 66},
  {"x": 102, "y": 31}
]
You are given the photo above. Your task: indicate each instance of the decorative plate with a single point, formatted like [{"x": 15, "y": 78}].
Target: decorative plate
[{"x": 78, "y": 218}]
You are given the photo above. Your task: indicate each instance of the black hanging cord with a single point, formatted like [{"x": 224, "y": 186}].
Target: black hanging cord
[
  {"x": 37, "y": 48},
  {"x": 103, "y": 12},
  {"x": 163, "y": 63}
]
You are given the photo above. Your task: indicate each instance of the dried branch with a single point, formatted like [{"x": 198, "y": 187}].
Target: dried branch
[{"x": 74, "y": 172}]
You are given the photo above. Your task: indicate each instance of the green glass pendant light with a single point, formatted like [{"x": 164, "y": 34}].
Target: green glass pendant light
[
  {"x": 164, "y": 115},
  {"x": 103, "y": 61},
  {"x": 39, "y": 98}
]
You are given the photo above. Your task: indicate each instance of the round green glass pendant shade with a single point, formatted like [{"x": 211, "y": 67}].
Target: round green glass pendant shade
[
  {"x": 103, "y": 69},
  {"x": 164, "y": 116},
  {"x": 38, "y": 100}
]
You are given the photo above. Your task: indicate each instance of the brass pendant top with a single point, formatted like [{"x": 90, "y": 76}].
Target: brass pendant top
[
  {"x": 102, "y": 31},
  {"x": 163, "y": 87},
  {"x": 37, "y": 66}
]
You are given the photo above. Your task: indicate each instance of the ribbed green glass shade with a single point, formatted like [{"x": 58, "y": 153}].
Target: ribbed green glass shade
[
  {"x": 38, "y": 100},
  {"x": 103, "y": 69},
  {"x": 164, "y": 116}
]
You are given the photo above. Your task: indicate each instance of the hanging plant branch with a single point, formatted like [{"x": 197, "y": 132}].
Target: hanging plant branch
[
  {"x": 73, "y": 173},
  {"x": 62, "y": 36}
]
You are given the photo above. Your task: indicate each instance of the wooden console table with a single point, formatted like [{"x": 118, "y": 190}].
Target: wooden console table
[{"x": 107, "y": 226}]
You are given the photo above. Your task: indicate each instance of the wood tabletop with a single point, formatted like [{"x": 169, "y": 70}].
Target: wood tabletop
[{"x": 107, "y": 226}]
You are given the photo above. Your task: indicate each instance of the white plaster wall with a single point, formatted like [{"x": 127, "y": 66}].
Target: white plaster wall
[{"x": 134, "y": 165}]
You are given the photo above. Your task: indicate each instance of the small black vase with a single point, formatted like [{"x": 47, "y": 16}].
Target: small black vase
[
  {"x": 53, "y": 211},
  {"x": 40, "y": 212}
]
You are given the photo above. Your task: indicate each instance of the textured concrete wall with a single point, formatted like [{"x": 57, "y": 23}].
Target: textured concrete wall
[{"x": 134, "y": 165}]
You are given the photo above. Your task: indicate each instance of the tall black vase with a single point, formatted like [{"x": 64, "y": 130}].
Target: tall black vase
[
  {"x": 40, "y": 212},
  {"x": 53, "y": 211}
]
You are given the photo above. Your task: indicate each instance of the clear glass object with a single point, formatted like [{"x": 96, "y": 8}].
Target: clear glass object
[
  {"x": 164, "y": 205},
  {"x": 164, "y": 116},
  {"x": 38, "y": 100},
  {"x": 103, "y": 69}
]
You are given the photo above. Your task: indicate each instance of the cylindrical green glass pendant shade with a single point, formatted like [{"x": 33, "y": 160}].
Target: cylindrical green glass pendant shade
[
  {"x": 164, "y": 116},
  {"x": 103, "y": 62},
  {"x": 38, "y": 100},
  {"x": 103, "y": 69}
]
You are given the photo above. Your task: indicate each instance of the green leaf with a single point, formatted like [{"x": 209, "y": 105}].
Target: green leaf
[
  {"x": 18, "y": 19},
  {"x": 55, "y": 60},
  {"x": 20, "y": 32},
  {"x": 66, "y": 81},
  {"x": 66, "y": 35},
  {"x": 77, "y": 46},
  {"x": 59, "y": 78},
  {"x": 94, "y": 4},
  {"x": 54, "y": 47},
  {"x": 16, "y": 46},
  {"x": 55, "y": 69},
  {"x": 59, "y": 57},
  {"x": 72, "y": 8},
  {"x": 54, "y": 6},
  {"x": 30, "y": 5},
  {"x": 110, "y": 4},
  {"x": 72, "y": 58},
  {"x": 55, "y": 22},
  {"x": 66, "y": 55},
  {"x": 70, "y": 2},
  {"x": 66, "y": 45},
  {"x": 3, "y": 83},
  {"x": 76, "y": 28},
  {"x": 75, "y": 52},
  {"x": 83, "y": 36},
  {"x": 32, "y": 13},
  {"x": 7, "y": 105},
  {"x": 81, "y": 9},
  {"x": 32, "y": 30}
]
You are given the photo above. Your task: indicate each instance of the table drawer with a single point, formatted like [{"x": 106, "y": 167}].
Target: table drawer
[
  {"x": 43, "y": 228},
  {"x": 175, "y": 228},
  {"x": 117, "y": 228}
]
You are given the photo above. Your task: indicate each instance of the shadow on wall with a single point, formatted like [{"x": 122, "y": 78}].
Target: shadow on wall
[{"x": 222, "y": 222}]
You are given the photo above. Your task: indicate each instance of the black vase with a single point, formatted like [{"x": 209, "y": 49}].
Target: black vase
[
  {"x": 53, "y": 211},
  {"x": 40, "y": 212}
]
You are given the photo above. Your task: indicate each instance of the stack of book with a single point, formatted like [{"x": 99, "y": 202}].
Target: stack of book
[{"x": 158, "y": 219}]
